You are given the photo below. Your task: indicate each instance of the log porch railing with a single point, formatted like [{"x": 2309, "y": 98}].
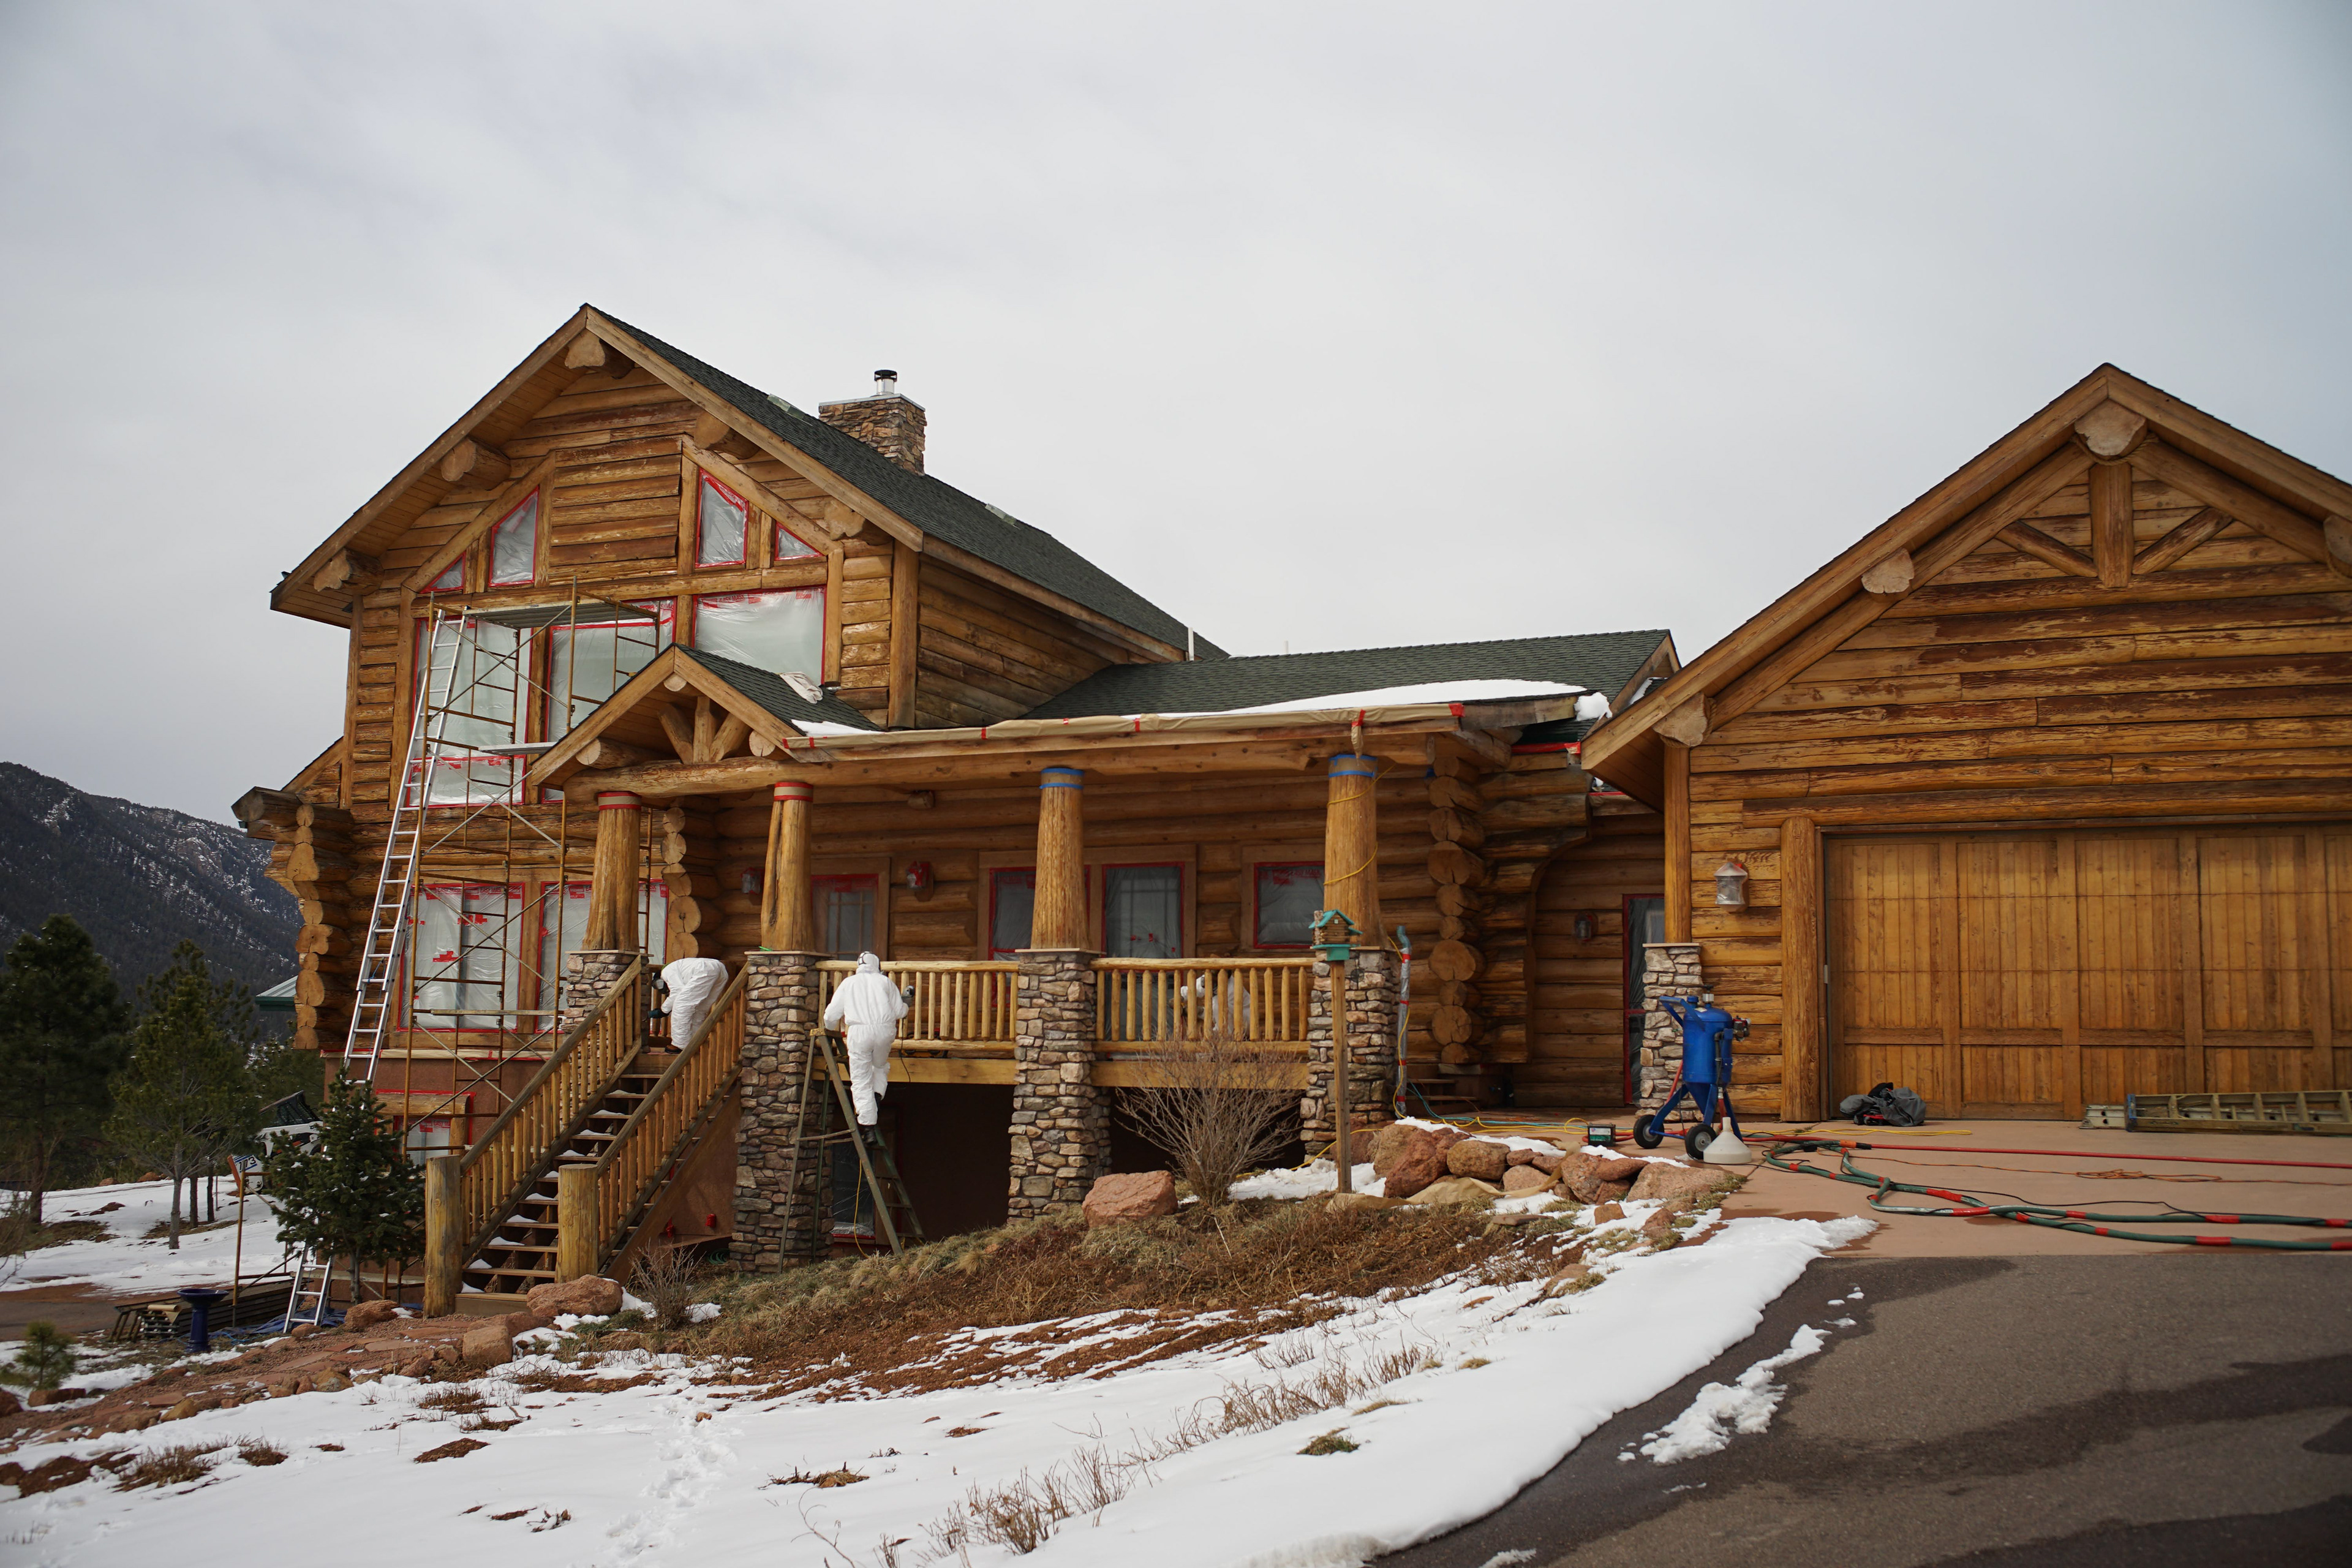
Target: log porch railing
[
  {"x": 666, "y": 1124},
  {"x": 1161, "y": 1001},
  {"x": 498, "y": 1172},
  {"x": 954, "y": 1005}
]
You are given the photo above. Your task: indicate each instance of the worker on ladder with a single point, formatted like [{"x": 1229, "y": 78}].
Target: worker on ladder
[{"x": 871, "y": 1007}]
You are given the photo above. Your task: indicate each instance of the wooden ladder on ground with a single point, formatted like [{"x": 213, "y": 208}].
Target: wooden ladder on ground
[{"x": 834, "y": 1124}]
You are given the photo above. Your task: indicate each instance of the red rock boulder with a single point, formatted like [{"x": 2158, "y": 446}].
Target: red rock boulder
[
  {"x": 1140, "y": 1195},
  {"x": 1478, "y": 1159},
  {"x": 590, "y": 1296}
]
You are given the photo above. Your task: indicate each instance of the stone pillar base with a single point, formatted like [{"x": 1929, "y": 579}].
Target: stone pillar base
[
  {"x": 1061, "y": 1122},
  {"x": 1668, "y": 969},
  {"x": 588, "y": 977},
  {"x": 781, "y": 1216},
  {"x": 1371, "y": 1004}
]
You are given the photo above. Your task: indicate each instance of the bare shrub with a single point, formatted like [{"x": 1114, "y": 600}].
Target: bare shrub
[
  {"x": 259, "y": 1451},
  {"x": 666, "y": 1279},
  {"x": 1217, "y": 1109},
  {"x": 172, "y": 1467}
]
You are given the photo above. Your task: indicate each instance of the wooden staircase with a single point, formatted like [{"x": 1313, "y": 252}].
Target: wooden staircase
[{"x": 522, "y": 1252}]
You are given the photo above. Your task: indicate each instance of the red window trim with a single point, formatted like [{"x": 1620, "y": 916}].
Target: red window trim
[
  {"x": 810, "y": 551},
  {"x": 1258, "y": 869},
  {"x": 744, "y": 559},
  {"x": 490, "y": 547},
  {"x": 666, "y": 619},
  {"x": 1102, "y": 897}
]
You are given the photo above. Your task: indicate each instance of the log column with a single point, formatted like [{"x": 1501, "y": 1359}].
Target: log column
[
  {"x": 786, "y": 922},
  {"x": 612, "y": 875},
  {"x": 1803, "y": 1056},
  {"x": 1059, "y": 923},
  {"x": 1351, "y": 846}
]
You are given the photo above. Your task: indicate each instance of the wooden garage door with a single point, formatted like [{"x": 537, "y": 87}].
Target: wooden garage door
[{"x": 2028, "y": 974}]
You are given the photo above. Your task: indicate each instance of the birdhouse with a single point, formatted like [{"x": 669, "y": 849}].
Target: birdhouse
[{"x": 1731, "y": 886}]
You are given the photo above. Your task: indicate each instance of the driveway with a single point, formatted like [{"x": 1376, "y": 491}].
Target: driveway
[{"x": 1997, "y": 1402}]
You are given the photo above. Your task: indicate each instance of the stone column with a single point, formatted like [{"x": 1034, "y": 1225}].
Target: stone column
[
  {"x": 1371, "y": 999},
  {"x": 1668, "y": 969},
  {"x": 588, "y": 976},
  {"x": 780, "y": 1215},
  {"x": 1061, "y": 1122}
]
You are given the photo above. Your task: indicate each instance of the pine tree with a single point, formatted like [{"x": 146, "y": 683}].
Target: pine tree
[
  {"x": 186, "y": 1098},
  {"x": 61, "y": 1037},
  {"x": 354, "y": 1192},
  {"x": 44, "y": 1360}
]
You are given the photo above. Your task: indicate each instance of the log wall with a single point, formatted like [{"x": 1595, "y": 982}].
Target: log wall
[{"x": 1577, "y": 986}]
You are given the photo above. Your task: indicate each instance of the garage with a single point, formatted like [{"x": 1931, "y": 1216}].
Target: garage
[{"x": 2027, "y": 974}]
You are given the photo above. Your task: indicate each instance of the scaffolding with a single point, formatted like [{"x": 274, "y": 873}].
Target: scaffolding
[{"x": 473, "y": 915}]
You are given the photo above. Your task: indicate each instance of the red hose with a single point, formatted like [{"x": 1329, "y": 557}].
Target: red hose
[{"x": 2051, "y": 1153}]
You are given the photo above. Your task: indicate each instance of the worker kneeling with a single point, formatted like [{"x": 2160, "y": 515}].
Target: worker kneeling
[{"x": 870, "y": 1007}]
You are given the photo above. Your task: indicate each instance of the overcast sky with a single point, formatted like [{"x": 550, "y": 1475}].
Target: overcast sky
[{"x": 1336, "y": 326}]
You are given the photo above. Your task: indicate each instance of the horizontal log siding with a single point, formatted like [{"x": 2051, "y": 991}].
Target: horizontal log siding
[
  {"x": 2008, "y": 693},
  {"x": 1577, "y": 989}
]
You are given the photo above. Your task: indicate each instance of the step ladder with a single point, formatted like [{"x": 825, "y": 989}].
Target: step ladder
[{"x": 836, "y": 1123}]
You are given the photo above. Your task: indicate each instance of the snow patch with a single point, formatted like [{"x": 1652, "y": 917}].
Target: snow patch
[{"x": 1745, "y": 1404}]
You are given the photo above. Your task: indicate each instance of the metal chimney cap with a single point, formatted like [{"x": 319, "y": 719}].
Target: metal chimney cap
[{"x": 886, "y": 382}]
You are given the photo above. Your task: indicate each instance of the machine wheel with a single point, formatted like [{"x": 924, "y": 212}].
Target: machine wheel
[
  {"x": 1647, "y": 1133},
  {"x": 1695, "y": 1141}
]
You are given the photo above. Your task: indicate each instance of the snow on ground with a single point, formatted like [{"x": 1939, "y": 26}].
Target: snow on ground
[
  {"x": 125, "y": 1263},
  {"x": 1745, "y": 1404},
  {"x": 672, "y": 1473}
]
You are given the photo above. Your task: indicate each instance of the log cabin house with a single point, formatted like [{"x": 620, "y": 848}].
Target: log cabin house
[
  {"x": 2043, "y": 789},
  {"x": 644, "y": 663}
]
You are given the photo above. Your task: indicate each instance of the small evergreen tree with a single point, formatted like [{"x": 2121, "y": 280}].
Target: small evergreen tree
[
  {"x": 185, "y": 1098},
  {"x": 44, "y": 1360},
  {"x": 354, "y": 1192},
  {"x": 61, "y": 1023}
]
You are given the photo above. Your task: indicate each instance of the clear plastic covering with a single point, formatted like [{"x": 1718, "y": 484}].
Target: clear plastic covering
[
  {"x": 588, "y": 663},
  {"x": 1143, "y": 911},
  {"x": 452, "y": 578},
  {"x": 844, "y": 912},
  {"x": 514, "y": 548},
  {"x": 564, "y": 927},
  {"x": 781, "y": 632},
  {"x": 791, "y": 546},
  {"x": 475, "y": 674},
  {"x": 1012, "y": 903},
  {"x": 722, "y": 523},
  {"x": 1287, "y": 898},
  {"x": 464, "y": 961}
]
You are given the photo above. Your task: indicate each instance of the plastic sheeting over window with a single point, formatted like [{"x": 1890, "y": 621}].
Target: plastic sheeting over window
[
  {"x": 452, "y": 578},
  {"x": 791, "y": 546},
  {"x": 514, "y": 547},
  {"x": 1287, "y": 898},
  {"x": 588, "y": 663},
  {"x": 464, "y": 956},
  {"x": 844, "y": 911},
  {"x": 1012, "y": 903},
  {"x": 722, "y": 525},
  {"x": 1143, "y": 911},
  {"x": 781, "y": 632},
  {"x": 474, "y": 675},
  {"x": 564, "y": 925}
]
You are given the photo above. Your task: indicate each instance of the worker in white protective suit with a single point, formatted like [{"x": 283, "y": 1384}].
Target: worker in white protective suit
[
  {"x": 871, "y": 1007},
  {"x": 694, "y": 984}
]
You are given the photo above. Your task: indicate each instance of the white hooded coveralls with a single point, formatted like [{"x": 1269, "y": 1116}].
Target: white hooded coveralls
[
  {"x": 694, "y": 984},
  {"x": 872, "y": 1008}
]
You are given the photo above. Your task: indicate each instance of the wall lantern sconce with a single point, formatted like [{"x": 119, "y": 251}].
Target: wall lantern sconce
[
  {"x": 919, "y": 879},
  {"x": 1731, "y": 886},
  {"x": 1584, "y": 928},
  {"x": 750, "y": 880}
]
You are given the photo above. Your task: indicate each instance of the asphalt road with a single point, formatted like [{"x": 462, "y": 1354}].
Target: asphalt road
[{"x": 2028, "y": 1412}]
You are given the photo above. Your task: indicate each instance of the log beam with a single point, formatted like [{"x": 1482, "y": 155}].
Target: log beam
[
  {"x": 472, "y": 466},
  {"x": 1803, "y": 1051},
  {"x": 1891, "y": 575},
  {"x": 2111, "y": 523},
  {"x": 2179, "y": 540},
  {"x": 2028, "y": 540},
  {"x": 344, "y": 568},
  {"x": 787, "y": 923},
  {"x": 2111, "y": 432},
  {"x": 1059, "y": 915},
  {"x": 1687, "y": 725},
  {"x": 613, "y": 874},
  {"x": 1678, "y": 845},
  {"x": 589, "y": 351},
  {"x": 1352, "y": 848},
  {"x": 2247, "y": 504}
]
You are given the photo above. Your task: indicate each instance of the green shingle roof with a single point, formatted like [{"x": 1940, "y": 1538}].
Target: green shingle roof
[
  {"x": 1597, "y": 661},
  {"x": 937, "y": 507}
]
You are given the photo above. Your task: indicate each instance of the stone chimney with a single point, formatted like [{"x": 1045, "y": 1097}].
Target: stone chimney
[{"x": 892, "y": 425}]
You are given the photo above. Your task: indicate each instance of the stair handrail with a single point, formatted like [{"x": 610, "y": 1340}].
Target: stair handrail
[
  {"x": 716, "y": 1068},
  {"x": 486, "y": 1208}
]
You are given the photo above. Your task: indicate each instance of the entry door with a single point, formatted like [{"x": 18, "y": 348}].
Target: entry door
[{"x": 2027, "y": 974}]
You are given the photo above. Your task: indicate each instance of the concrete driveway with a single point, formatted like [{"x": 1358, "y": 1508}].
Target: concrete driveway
[{"x": 2005, "y": 1395}]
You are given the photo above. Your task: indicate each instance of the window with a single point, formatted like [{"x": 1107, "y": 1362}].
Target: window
[
  {"x": 845, "y": 908},
  {"x": 791, "y": 546},
  {"x": 452, "y": 578},
  {"x": 588, "y": 663},
  {"x": 1644, "y": 921},
  {"x": 722, "y": 524},
  {"x": 780, "y": 632},
  {"x": 514, "y": 546},
  {"x": 464, "y": 958},
  {"x": 1288, "y": 897},
  {"x": 475, "y": 676},
  {"x": 1012, "y": 901},
  {"x": 1143, "y": 911},
  {"x": 425, "y": 1139},
  {"x": 564, "y": 927}
]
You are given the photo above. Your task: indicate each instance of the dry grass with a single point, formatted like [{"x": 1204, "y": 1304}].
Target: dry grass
[
  {"x": 260, "y": 1451},
  {"x": 1257, "y": 1268},
  {"x": 172, "y": 1467},
  {"x": 666, "y": 1280}
]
